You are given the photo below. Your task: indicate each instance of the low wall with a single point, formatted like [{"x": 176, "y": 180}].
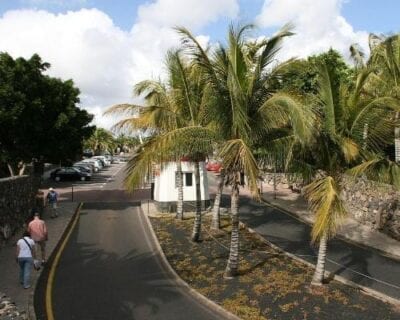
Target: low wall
[
  {"x": 373, "y": 204},
  {"x": 17, "y": 198}
]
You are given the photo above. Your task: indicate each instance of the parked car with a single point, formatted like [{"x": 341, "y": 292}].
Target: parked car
[
  {"x": 69, "y": 173},
  {"x": 83, "y": 168},
  {"x": 88, "y": 165},
  {"x": 213, "y": 166},
  {"x": 109, "y": 157},
  {"x": 95, "y": 162},
  {"x": 103, "y": 159}
]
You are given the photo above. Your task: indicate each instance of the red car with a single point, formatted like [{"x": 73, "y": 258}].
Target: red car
[{"x": 213, "y": 166}]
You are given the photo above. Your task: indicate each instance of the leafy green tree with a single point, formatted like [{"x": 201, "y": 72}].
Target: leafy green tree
[
  {"x": 300, "y": 76},
  {"x": 39, "y": 117}
]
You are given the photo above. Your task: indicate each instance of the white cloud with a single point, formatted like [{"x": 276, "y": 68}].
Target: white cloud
[
  {"x": 103, "y": 60},
  {"x": 189, "y": 13},
  {"x": 56, "y": 3},
  {"x": 84, "y": 46},
  {"x": 318, "y": 26}
]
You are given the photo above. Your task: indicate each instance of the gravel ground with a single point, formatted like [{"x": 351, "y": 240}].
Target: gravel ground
[
  {"x": 8, "y": 310},
  {"x": 270, "y": 286}
]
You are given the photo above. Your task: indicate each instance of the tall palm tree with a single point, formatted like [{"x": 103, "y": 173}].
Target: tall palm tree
[
  {"x": 171, "y": 107},
  {"x": 242, "y": 109},
  {"x": 384, "y": 60},
  {"x": 161, "y": 114},
  {"x": 340, "y": 146}
]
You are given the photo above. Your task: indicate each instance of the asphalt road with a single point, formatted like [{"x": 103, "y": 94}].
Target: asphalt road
[
  {"x": 364, "y": 266},
  {"x": 110, "y": 268}
]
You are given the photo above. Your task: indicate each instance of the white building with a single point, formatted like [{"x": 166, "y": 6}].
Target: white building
[{"x": 166, "y": 190}]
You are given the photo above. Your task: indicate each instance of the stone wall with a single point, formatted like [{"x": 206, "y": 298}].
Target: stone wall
[
  {"x": 375, "y": 205},
  {"x": 17, "y": 198}
]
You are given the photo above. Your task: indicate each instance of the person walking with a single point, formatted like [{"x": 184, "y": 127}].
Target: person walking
[
  {"x": 25, "y": 258},
  {"x": 38, "y": 231},
  {"x": 52, "y": 198}
]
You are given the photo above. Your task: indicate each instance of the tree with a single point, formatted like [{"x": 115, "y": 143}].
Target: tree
[
  {"x": 38, "y": 114},
  {"x": 242, "y": 109},
  {"x": 169, "y": 109},
  {"x": 340, "y": 146},
  {"x": 384, "y": 60},
  {"x": 101, "y": 141}
]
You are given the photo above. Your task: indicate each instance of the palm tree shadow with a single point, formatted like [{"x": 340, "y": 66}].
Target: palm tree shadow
[{"x": 93, "y": 283}]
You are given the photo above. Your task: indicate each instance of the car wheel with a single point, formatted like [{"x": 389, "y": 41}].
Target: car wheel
[
  {"x": 83, "y": 178},
  {"x": 57, "y": 179}
]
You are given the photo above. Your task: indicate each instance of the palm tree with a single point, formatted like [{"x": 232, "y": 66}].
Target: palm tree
[
  {"x": 385, "y": 63},
  {"x": 340, "y": 146},
  {"x": 241, "y": 108},
  {"x": 171, "y": 107},
  {"x": 216, "y": 219},
  {"x": 101, "y": 140}
]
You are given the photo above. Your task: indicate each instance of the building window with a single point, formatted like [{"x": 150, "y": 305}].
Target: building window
[{"x": 188, "y": 179}]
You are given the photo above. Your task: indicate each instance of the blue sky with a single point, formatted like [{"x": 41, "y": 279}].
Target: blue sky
[
  {"x": 106, "y": 46},
  {"x": 371, "y": 15}
]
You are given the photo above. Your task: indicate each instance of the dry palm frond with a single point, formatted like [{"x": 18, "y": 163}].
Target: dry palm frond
[{"x": 323, "y": 196}]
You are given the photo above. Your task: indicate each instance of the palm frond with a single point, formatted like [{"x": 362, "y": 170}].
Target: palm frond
[
  {"x": 326, "y": 92},
  {"x": 323, "y": 195},
  {"x": 238, "y": 157},
  {"x": 378, "y": 169},
  {"x": 124, "y": 108}
]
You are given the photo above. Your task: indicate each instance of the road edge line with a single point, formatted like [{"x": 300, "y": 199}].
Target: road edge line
[{"x": 50, "y": 279}]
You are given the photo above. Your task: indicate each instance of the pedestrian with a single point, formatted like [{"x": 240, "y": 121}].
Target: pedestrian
[
  {"x": 52, "y": 198},
  {"x": 25, "y": 258},
  {"x": 38, "y": 231}
]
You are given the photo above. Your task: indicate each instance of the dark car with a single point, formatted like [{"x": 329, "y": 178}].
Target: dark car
[
  {"x": 69, "y": 173},
  {"x": 83, "y": 168}
]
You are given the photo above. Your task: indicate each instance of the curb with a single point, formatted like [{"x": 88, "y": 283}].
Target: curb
[
  {"x": 371, "y": 292},
  {"x": 338, "y": 236},
  {"x": 196, "y": 295},
  {"x": 31, "y": 306}
]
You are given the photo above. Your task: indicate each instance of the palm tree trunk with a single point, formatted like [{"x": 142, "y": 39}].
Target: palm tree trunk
[
  {"x": 22, "y": 169},
  {"x": 216, "y": 221},
  {"x": 179, "y": 208},
  {"x": 197, "y": 220},
  {"x": 11, "y": 170},
  {"x": 320, "y": 268},
  {"x": 233, "y": 260},
  {"x": 397, "y": 142}
]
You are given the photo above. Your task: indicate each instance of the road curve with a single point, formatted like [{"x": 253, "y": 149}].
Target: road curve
[{"x": 110, "y": 270}]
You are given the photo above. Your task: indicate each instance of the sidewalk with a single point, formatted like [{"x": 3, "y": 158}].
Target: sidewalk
[
  {"x": 350, "y": 230},
  {"x": 9, "y": 284}
]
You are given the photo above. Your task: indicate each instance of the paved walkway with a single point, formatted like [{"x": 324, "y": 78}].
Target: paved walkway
[
  {"x": 351, "y": 230},
  {"x": 9, "y": 283}
]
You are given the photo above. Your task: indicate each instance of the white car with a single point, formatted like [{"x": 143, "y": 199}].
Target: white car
[
  {"x": 104, "y": 159},
  {"x": 97, "y": 164}
]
